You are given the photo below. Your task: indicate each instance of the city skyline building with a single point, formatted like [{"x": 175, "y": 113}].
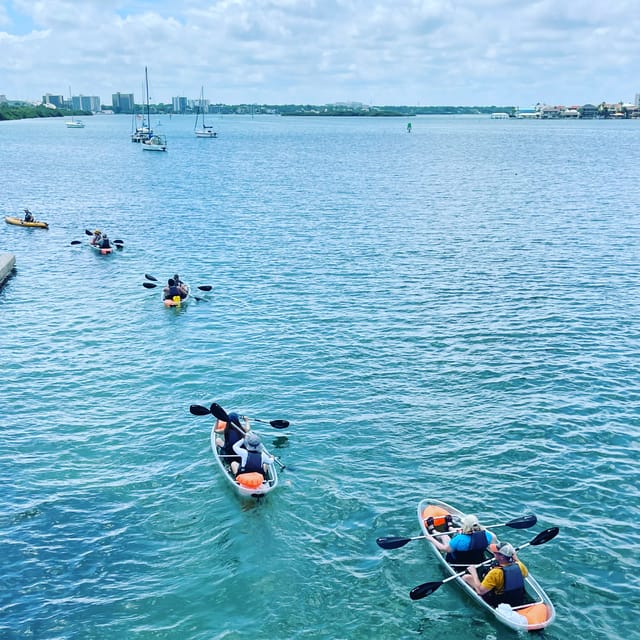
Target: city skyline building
[
  {"x": 122, "y": 102},
  {"x": 55, "y": 100},
  {"x": 86, "y": 103},
  {"x": 180, "y": 104}
]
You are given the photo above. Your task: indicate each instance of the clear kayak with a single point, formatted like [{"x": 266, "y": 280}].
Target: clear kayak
[
  {"x": 103, "y": 251},
  {"x": 537, "y": 612},
  {"x": 246, "y": 484}
]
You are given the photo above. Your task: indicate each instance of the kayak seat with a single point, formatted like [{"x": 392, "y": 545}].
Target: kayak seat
[{"x": 437, "y": 513}]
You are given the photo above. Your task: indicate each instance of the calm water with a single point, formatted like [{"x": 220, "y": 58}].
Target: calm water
[{"x": 450, "y": 313}]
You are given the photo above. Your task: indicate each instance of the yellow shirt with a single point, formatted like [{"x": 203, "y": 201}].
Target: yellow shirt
[{"x": 494, "y": 580}]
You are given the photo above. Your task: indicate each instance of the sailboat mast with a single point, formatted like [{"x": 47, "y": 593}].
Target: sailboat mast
[{"x": 146, "y": 81}]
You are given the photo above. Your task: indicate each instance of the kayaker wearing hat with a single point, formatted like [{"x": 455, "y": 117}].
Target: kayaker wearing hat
[
  {"x": 97, "y": 235},
  {"x": 467, "y": 546},
  {"x": 504, "y": 583},
  {"x": 252, "y": 458}
]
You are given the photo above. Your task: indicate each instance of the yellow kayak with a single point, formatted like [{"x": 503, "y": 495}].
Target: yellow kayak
[{"x": 21, "y": 223}]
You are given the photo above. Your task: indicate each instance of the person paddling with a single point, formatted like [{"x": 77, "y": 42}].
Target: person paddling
[
  {"x": 466, "y": 547},
  {"x": 28, "y": 216},
  {"x": 172, "y": 290},
  {"x": 252, "y": 457},
  {"x": 97, "y": 235},
  {"x": 504, "y": 583},
  {"x": 234, "y": 431},
  {"x": 104, "y": 242}
]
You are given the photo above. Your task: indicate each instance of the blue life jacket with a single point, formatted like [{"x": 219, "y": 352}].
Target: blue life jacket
[
  {"x": 253, "y": 463},
  {"x": 514, "y": 592},
  {"x": 474, "y": 554}
]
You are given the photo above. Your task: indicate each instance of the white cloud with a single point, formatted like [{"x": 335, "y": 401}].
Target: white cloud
[{"x": 312, "y": 51}]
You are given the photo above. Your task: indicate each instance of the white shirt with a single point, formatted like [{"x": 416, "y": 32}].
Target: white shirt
[{"x": 239, "y": 450}]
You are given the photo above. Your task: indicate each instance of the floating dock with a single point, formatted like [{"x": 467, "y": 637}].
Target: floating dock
[{"x": 7, "y": 265}]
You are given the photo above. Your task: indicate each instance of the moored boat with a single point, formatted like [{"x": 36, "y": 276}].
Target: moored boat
[
  {"x": 245, "y": 484},
  {"x": 19, "y": 222},
  {"x": 156, "y": 142},
  {"x": 537, "y": 612},
  {"x": 205, "y": 130},
  {"x": 153, "y": 141}
]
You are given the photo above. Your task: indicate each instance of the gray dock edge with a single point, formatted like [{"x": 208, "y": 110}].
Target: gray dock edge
[{"x": 7, "y": 265}]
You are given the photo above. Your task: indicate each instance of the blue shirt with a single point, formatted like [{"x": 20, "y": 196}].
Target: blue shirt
[{"x": 461, "y": 541}]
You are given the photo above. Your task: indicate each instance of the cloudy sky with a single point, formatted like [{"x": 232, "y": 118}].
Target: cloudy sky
[{"x": 380, "y": 52}]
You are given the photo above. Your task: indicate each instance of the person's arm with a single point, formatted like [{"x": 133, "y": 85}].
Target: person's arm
[
  {"x": 441, "y": 543},
  {"x": 474, "y": 581},
  {"x": 239, "y": 449}
]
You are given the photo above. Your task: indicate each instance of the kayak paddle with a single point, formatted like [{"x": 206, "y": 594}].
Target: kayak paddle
[
  {"x": 392, "y": 542},
  {"x": 276, "y": 424},
  {"x": 220, "y": 414}
]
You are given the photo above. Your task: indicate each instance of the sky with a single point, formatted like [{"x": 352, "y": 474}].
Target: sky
[{"x": 377, "y": 52}]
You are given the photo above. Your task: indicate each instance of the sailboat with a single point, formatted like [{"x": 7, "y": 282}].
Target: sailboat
[
  {"x": 204, "y": 131},
  {"x": 153, "y": 141},
  {"x": 72, "y": 123},
  {"x": 140, "y": 128}
]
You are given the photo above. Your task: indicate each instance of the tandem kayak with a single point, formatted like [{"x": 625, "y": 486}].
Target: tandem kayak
[
  {"x": 245, "y": 484},
  {"x": 177, "y": 301},
  {"x": 19, "y": 222},
  {"x": 103, "y": 251},
  {"x": 537, "y": 613}
]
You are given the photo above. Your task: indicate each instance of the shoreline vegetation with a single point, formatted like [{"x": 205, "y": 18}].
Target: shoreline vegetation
[
  {"x": 20, "y": 112},
  {"x": 10, "y": 111}
]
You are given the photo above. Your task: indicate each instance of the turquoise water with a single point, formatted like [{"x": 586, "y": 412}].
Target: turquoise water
[{"x": 451, "y": 313}]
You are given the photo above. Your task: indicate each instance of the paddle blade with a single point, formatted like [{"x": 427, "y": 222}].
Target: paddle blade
[
  {"x": 205, "y": 287},
  {"x": 89, "y": 233},
  {"x": 199, "y": 410},
  {"x": 276, "y": 424},
  {"x": 118, "y": 242},
  {"x": 391, "y": 542},
  {"x": 148, "y": 277},
  {"x": 76, "y": 242},
  {"x": 149, "y": 285},
  {"x": 218, "y": 412},
  {"x": 522, "y": 523},
  {"x": 545, "y": 536},
  {"x": 424, "y": 590}
]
